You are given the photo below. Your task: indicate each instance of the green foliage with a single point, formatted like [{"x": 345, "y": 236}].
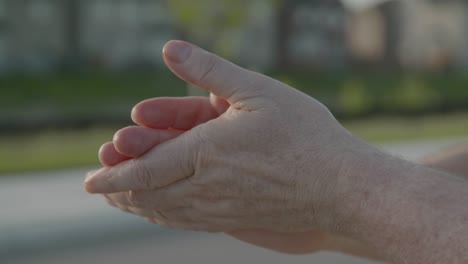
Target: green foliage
[
  {"x": 62, "y": 99},
  {"x": 203, "y": 13},
  {"x": 353, "y": 98},
  {"x": 70, "y": 97},
  {"x": 415, "y": 96},
  {"x": 211, "y": 23},
  {"x": 361, "y": 94}
]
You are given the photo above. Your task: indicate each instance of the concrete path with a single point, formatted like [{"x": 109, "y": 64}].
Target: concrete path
[{"x": 47, "y": 218}]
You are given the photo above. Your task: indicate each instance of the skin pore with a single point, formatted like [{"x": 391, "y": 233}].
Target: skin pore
[{"x": 220, "y": 176}]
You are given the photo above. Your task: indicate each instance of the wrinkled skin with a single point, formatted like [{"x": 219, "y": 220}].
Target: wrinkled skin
[
  {"x": 258, "y": 155},
  {"x": 274, "y": 159},
  {"x": 183, "y": 114}
]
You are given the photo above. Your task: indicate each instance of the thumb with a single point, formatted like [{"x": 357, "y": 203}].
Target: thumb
[
  {"x": 212, "y": 73},
  {"x": 168, "y": 163}
]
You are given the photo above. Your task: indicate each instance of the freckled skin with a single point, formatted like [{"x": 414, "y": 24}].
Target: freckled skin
[{"x": 272, "y": 163}]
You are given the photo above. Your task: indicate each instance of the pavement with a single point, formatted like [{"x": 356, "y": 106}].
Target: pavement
[{"x": 48, "y": 218}]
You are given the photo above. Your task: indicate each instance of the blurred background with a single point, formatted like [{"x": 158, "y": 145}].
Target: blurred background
[{"x": 393, "y": 71}]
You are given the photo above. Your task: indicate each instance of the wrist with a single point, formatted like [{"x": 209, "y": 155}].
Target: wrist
[
  {"x": 399, "y": 209},
  {"x": 366, "y": 176},
  {"x": 404, "y": 210},
  {"x": 337, "y": 195}
]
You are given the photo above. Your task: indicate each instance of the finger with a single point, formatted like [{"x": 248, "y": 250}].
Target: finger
[
  {"x": 154, "y": 214},
  {"x": 110, "y": 201},
  {"x": 170, "y": 162},
  {"x": 128, "y": 209},
  {"x": 185, "y": 218},
  {"x": 171, "y": 197},
  {"x": 138, "y": 211},
  {"x": 178, "y": 113},
  {"x": 142, "y": 212},
  {"x": 152, "y": 220},
  {"x": 135, "y": 141},
  {"x": 214, "y": 74},
  {"x": 219, "y": 104},
  {"x": 109, "y": 156},
  {"x": 182, "y": 218},
  {"x": 189, "y": 219}
]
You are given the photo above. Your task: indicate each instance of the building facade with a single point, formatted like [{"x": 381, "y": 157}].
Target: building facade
[
  {"x": 40, "y": 35},
  {"x": 411, "y": 34},
  {"x": 434, "y": 34},
  {"x": 43, "y": 34}
]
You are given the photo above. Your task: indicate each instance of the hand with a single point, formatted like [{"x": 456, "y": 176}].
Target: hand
[
  {"x": 162, "y": 119},
  {"x": 272, "y": 161},
  {"x": 156, "y": 117}
]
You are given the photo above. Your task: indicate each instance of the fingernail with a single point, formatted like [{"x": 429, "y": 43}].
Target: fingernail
[
  {"x": 95, "y": 182},
  {"x": 92, "y": 173},
  {"x": 177, "y": 51},
  {"x": 89, "y": 175}
]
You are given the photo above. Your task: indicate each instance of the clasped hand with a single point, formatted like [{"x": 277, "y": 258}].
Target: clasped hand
[{"x": 256, "y": 155}]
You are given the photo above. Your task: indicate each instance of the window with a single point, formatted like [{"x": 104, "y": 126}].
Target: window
[
  {"x": 2, "y": 10},
  {"x": 3, "y": 17}
]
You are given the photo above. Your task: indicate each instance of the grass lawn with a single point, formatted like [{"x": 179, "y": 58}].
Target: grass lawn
[
  {"x": 65, "y": 149},
  {"x": 52, "y": 150},
  {"x": 388, "y": 129}
]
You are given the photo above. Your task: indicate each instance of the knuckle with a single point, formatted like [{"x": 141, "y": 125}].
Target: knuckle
[
  {"x": 122, "y": 138},
  {"x": 142, "y": 176},
  {"x": 204, "y": 150},
  {"x": 119, "y": 134},
  {"x": 211, "y": 66},
  {"x": 136, "y": 198},
  {"x": 189, "y": 152},
  {"x": 196, "y": 184}
]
